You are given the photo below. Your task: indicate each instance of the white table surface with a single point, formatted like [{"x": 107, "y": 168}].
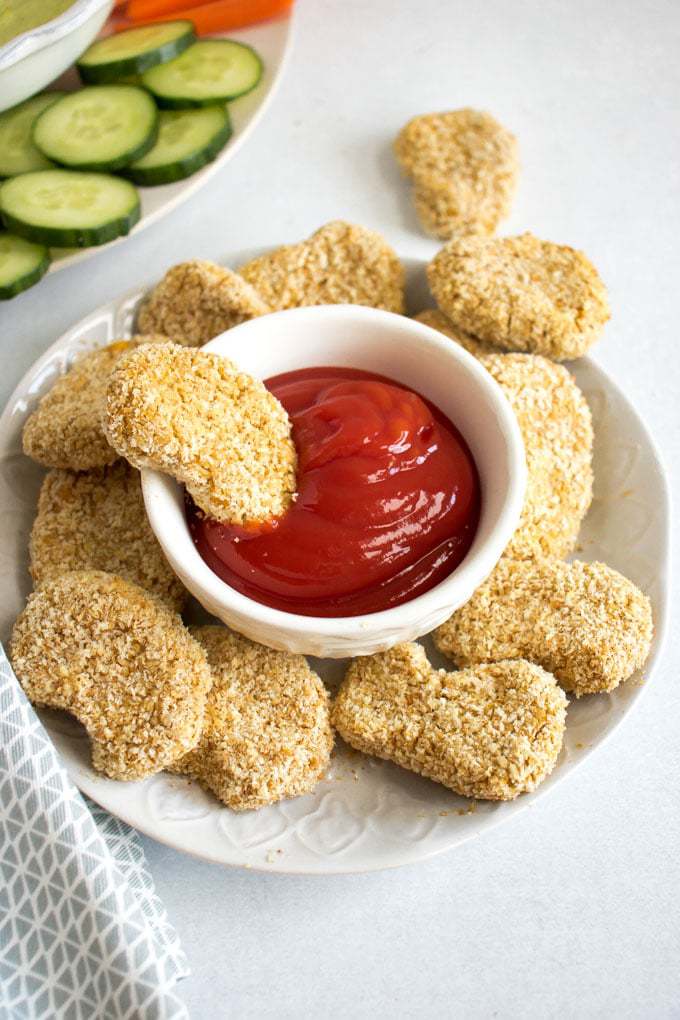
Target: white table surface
[{"x": 572, "y": 908}]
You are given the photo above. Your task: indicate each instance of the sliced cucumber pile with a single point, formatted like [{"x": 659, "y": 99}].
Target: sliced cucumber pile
[
  {"x": 22, "y": 264},
  {"x": 135, "y": 50},
  {"x": 187, "y": 140},
  {"x": 58, "y": 149},
  {"x": 101, "y": 127},
  {"x": 69, "y": 208},
  {"x": 18, "y": 154},
  {"x": 210, "y": 71}
]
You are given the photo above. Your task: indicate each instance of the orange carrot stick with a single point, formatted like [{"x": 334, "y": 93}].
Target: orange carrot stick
[
  {"x": 216, "y": 16},
  {"x": 138, "y": 9}
]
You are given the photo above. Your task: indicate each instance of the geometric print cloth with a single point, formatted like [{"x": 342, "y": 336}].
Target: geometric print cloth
[{"x": 83, "y": 935}]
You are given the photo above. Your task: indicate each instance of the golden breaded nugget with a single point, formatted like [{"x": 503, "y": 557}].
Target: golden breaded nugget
[
  {"x": 521, "y": 294},
  {"x": 267, "y": 732},
  {"x": 193, "y": 415},
  {"x": 557, "y": 430},
  {"x": 584, "y": 622},
  {"x": 95, "y": 520},
  {"x": 491, "y": 732},
  {"x": 65, "y": 430},
  {"x": 195, "y": 301},
  {"x": 119, "y": 660},
  {"x": 340, "y": 264},
  {"x": 435, "y": 319},
  {"x": 464, "y": 169}
]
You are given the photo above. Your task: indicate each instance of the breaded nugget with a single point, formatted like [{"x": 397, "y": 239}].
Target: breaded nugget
[
  {"x": 557, "y": 430},
  {"x": 119, "y": 660},
  {"x": 193, "y": 415},
  {"x": 584, "y": 622},
  {"x": 267, "y": 733},
  {"x": 65, "y": 430},
  {"x": 340, "y": 264},
  {"x": 95, "y": 520},
  {"x": 491, "y": 732},
  {"x": 195, "y": 301},
  {"x": 435, "y": 319},
  {"x": 464, "y": 170},
  {"x": 521, "y": 294}
]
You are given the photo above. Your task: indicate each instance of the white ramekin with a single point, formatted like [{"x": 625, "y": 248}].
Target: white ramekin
[
  {"x": 33, "y": 59},
  {"x": 412, "y": 354}
]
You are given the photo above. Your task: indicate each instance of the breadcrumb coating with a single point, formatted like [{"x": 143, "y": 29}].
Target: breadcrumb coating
[
  {"x": 267, "y": 733},
  {"x": 435, "y": 319},
  {"x": 583, "y": 622},
  {"x": 219, "y": 431},
  {"x": 338, "y": 265},
  {"x": 65, "y": 430},
  {"x": 491, "y": 732},
  {"x": 521, "y": 294},
  {"x": 95, "y": 520},
  {"x": 196, "y": 301},
  {"x": 557, "y": 430},
  {"x": 556, "y": 426},
  {"x": 464, "y": 168},
  {"x": 121, "y": 661}
]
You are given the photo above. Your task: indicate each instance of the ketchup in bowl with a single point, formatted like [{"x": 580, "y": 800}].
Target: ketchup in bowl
[{"x": 388, "y": 501}]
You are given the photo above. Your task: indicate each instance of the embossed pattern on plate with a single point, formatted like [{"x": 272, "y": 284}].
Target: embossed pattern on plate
[{"x": 366, "y": 814}]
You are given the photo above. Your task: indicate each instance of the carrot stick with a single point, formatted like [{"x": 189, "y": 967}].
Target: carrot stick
[
  {"x": 138, "y": 9},
  {"x": 216, "y": 16}
]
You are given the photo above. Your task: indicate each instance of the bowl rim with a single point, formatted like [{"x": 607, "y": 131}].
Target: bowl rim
[
  {"x": 35, "y": 39},
  {"x": 159, "y": 489}
]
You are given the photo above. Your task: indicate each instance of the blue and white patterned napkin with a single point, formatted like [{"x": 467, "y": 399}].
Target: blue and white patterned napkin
[{"x": 82, "y": 932}]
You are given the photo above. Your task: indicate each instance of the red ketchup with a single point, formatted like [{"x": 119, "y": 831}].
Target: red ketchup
[{"x": 387, "y": 506}]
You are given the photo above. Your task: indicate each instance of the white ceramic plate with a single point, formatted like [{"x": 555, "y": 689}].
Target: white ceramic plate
[
  {"x": 366, "y": 814},
  {"x": 272, "y": 40}
]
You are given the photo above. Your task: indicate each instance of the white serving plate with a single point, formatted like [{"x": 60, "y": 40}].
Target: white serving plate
[
  {"x": 367, "y": 814},
  {"x": 272, "y": 40}
]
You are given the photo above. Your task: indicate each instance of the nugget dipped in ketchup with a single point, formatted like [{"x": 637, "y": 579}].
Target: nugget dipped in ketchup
[
  {"x": 387, "y": 501},
  {"x": 193, "y": 415}
]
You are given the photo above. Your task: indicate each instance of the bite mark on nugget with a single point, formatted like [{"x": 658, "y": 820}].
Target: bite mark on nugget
[
  {"x": 65, "y": 430},
  {"x": 492, "y": 732},
  {"x": 118, "y": 659},
  {"x": 95, "y": 520},
  {"x": 339, "y": 264},
  {"x": 219, "y": 431},
  {"x": 267, "y": 733},
  {"x": 196, "y": 301},
  {"x": 521, "y": 294},
  {"x": 584, "y": 622}
]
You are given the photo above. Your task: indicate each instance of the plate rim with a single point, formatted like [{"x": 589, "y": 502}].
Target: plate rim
[{"x": 521, "y": 804}]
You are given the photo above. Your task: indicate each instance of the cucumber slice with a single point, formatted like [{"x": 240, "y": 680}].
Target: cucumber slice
[
  {"x": 68, "y": 208},
  {"x": 210, "y": 71},
  {"x": 101, "y": 127},
  {"x": 18, "y": 154},
  {"x": 134, "y": 51},
  {"x": 21, "y": 264},
  {"x": 187, "y": 140}
]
